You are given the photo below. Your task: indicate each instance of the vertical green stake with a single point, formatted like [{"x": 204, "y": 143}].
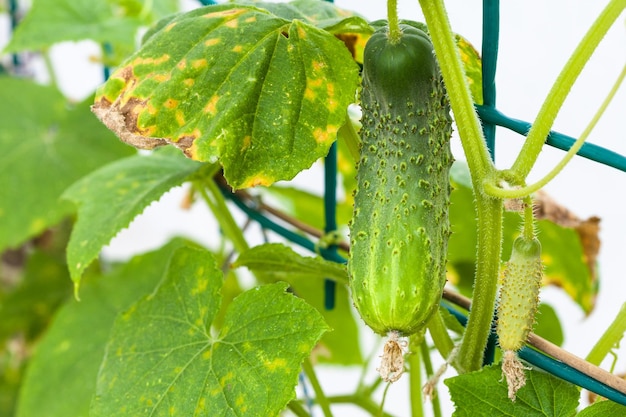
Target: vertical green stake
[{"x": 330, "y": 204}]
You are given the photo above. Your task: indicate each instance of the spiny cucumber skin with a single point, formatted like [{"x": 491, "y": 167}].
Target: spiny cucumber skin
[
  {"x": 400, "y": 225},
  {"x": 519, "y": 294}
]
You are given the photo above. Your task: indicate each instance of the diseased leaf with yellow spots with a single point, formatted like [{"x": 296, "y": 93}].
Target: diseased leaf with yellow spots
[
  {"x": 109, "y": 198},
  {"x": 263, "y": 94},
  {"x": 164, "y": 360},
  {"x": 472, "y": 64}
]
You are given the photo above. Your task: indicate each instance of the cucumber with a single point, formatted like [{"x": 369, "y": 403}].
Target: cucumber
[
  {"x": 517, "y": 305},
  {"x": 400, "y": 227}
]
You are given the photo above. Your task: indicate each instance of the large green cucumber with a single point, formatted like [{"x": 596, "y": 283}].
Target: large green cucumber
[{"x": 400, "y": 228}]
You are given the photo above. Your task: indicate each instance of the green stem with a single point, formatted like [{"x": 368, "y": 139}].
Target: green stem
[
  {"x": 415, "y": 375},
  {"x": 470, "y": 357},
  {"x": 465, "y": 117},
  {"x": 529, "y": 219},
  {"x": 494, "y": 190},
  {"x": 439, "y": 333},
  {"x": 609, "y": 339},
  {"x": 562, "y": 86},
  {"x": 395, "y": 33},
  {"x": 366, "y": 403},
  {"x": 320, "y": 397},
  {"x": 217, "y": 204},
  {"x": 489, "y": 210},
  {"x": 428, "y": 366},
  {"x": 298, "y": 409}
]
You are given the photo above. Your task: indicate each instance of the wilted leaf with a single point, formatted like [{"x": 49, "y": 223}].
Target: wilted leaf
[
  {"x": 262, "y": 94},
  {"x": 163, "y": 359}
]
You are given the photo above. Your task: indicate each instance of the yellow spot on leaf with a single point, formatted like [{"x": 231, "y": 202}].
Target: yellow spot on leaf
[
  {"x": 276, "y": 364},
  {"x": 170, "y": 26},
  {"x": 240, "y": 402},
  {"x": 182, "y": 64},
  {"x": 226, "y": 378},
  {"x": 170, "y": 103},
  {"x": 212, "y": 42},
  {"x": 318, "y": 66},
  {"x": 211, "y": 106},
  {"x": 332, "y": 101},
  {"x": 324, "y": 136},
  {"x": 233, "y": 24},
  {"x": 201, "y": 405},
  {"x": 246, "y": 143},
  {"x": 237, "y": 48},
  {"x": 301, "y": 32},
  {"x": 225, "y": 13},
  {"x": 180, "y": 118},
  {"x": 250, "y": 19},
  {"x": 189, "y": 82},
  {"x": 161, "y": 77},
  {"x": 201, "y": 287},
  {"x": 255, "y": 180},
  {"x": 206, "y": 355},
  {"x": 199, "y": 63}
]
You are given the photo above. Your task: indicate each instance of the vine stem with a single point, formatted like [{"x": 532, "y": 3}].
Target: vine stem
[
  {"x": 562, "y": 86},
  {"x": 496, "y": 191},
  {"x": 395, "y": 33},
  {"x": 320, "y": 397},
  {"x": 415, "y": 374},
  {"x": 215, "y": 201},
  {"x": 489, "y": 210},
  {"x": 609, "y": 339}
]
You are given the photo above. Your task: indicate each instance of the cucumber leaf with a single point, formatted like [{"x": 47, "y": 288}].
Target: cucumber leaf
[
  {"x": 44, "y": 147},
  {"x": 603, "y": 409},
  {"x": 109, "y": 198},
  {"x": 112, "y": 21},
  {"x": 61, "y": 377},
  {"x": 484, "y": 394},
  {"x": 164, "y": 359},
  {"x": 262, "y": 94}
]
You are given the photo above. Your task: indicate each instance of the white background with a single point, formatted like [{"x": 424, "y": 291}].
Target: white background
[{"x": 536, "y": 39}]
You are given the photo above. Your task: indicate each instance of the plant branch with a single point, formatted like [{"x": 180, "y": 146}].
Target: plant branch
[
  {"x": 395, "y": 33},
  {"x": 320, "y": 397},
  {"x": 366, "y": 403},
  {"x": 476, "y": 334},
  {"x": 215, "y": 201},
  {"x": 495, "y": 191},
  {"x": 562, "y": 86},
  {"x": 611, "y": 337},
  {"x": 465, "y": 116},
  {"x": 415, "y": 374}
]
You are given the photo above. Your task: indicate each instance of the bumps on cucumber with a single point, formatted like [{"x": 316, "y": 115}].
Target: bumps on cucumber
[{"x": 400, "y": 228}]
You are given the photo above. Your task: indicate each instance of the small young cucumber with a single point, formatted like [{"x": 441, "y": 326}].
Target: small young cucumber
[
  {"x": 519, "y": 293},
  {"x": 400, "y": 228},
  {"x": 517, "y": 306}
]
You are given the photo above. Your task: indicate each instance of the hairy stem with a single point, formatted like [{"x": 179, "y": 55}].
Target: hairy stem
[
  {"x": 611, "y": 337},
  {"x": 489, "y": 210},
  {"x": 472, "y": 347},
  {"x": 494, "y": 190},
  {"x": 395, "y": 33},
  {"x": 562, "y": 86}
]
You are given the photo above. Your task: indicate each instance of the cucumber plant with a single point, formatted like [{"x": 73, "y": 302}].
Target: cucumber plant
[{"x": 253, "y": 93}]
